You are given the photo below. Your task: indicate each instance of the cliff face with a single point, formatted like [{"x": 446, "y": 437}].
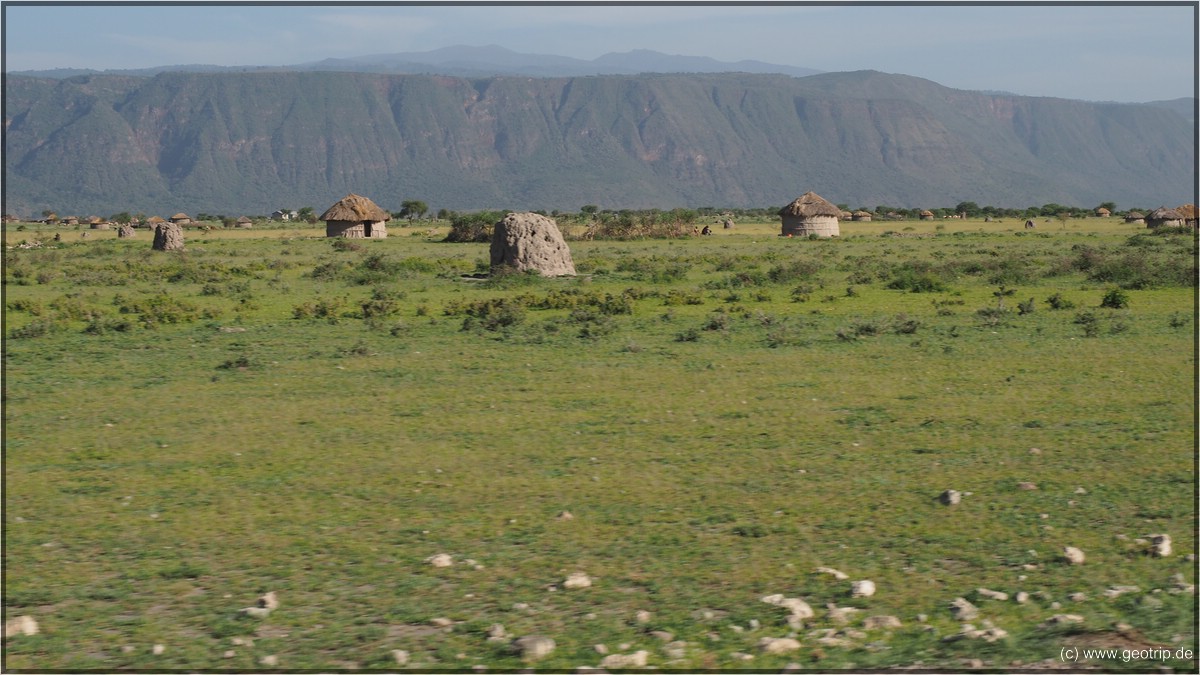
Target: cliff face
[{"x": 253, "y": 142}]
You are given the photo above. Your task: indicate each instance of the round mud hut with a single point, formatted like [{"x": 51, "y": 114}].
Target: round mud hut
[
  {"x": 356, "y": 217},
  {"x": 1135, "y": 218},
  {"x": 810, "y": 214},
  {"x": 244, "y": 223},
  {"x": 927, "y": 215},
  {"x": 862, "y": 216},
  {"x": 1163, "y": 216},
  {"x": 181, "y": 219}
]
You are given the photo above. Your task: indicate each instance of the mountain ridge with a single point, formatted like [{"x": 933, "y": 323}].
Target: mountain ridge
[{"x": 251, "y": 142}]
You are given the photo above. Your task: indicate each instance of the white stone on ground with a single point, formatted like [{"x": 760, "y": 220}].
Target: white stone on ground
[
  {"x": 1073, "y": 555},
  {"x": 862, "y": 589},
  {"x": 577, "y": 580},
  {"x": 440, "y": 560}
]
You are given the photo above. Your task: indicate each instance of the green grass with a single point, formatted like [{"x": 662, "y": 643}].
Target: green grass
[{"x": 722, "y": 415}]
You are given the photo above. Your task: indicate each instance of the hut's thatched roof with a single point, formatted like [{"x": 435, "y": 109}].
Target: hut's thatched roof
[
  {"x": 357, "y": 208},
  {"x": 1188, "y": 211},
  {"x": 155, "y": 219},
  {"x": 181, "y": 216},
  {"x": 927, "y": 212},
  {"x": 1102, "y": 210},
  {"x": 860, "y": 214},
  {"x": 1163, "y": 213},
  {"x": 810, "y": 204},
  {"x": 94, "y": 219},
  {"x": 244, "y": 219}
]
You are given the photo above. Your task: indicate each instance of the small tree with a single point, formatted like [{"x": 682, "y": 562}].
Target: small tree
[
  {"x": 307, "y": 215},
  {"x": 413, "y": 209}
]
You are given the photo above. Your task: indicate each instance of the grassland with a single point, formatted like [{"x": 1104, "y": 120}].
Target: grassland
[{"x": 271, "y": 410}]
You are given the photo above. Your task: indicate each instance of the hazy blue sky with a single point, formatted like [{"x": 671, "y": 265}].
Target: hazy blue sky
[{"x": 1099, "y": 53}]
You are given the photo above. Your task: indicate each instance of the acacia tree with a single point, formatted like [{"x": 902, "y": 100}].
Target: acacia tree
[{"x": 413, "y": 209}]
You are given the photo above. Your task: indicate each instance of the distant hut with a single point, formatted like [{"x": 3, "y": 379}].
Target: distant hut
[
  {"x": 356, "y": 217},
  {"x": 1188, "y": 213},
  {"x": 96, "y": 223},
  {"x": 1103, "y": 212},
  {"x": 70, "y": 220},
  {"x": 862, "y": 216},
  {"x": 845, "y": 215},
  {"x": 244, "y": 223},
  {"x": 181, "y": 219},
  {"x": 154, "y": 221},
  {"x": 1163, "y": 216},
  {"x": 1135, "y": 218},
  {"x": 927, "y": 215},
  {"x": 810, "y": 214}
]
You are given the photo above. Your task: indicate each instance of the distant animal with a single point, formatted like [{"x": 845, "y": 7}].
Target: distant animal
[
  {"x": 706, "y": 231},
  {"x": 1029, "y": 225}
]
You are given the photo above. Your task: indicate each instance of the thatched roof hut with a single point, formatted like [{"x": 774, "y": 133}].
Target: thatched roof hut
[
  {"x": 927, "y": 215},
  {"x": 862, "y": 216},
  {"x": 1103, "y": 212},
  {"x": 70, "y": 220},
  {"x": 810, "y": 214},
  {"x": 1164, "y": 216},
  {"x": 181, "y": 219},
  {"x": 244, "y": 223},
  {"x": 356, "y": 217},
  {"x": 1188, "y": 213},
  {"x": 97, "y": 223},
  {"x": 154, "y": 221}
]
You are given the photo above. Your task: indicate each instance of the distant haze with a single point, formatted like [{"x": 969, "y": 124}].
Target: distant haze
[{"x": 1131, "y": 53}]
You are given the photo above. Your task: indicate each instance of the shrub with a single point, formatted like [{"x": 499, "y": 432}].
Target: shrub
[
  {"x": 159, "y": 309},
  {"x": 473, "y": 227},
  {"x": 323, "y": 308},
  {"x": 1115, "y": 299},
  {"x": 494, "y": 314},
  {"x": 1057, "y": 301},
  {"x": 914, "y": 279}
]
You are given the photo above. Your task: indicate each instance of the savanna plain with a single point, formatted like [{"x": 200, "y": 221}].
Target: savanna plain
[{"x": 695, "y": 424}]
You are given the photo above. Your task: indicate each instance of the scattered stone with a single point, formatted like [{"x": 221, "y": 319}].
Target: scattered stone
[
  {"x": 950, "y": 497},
  {"x": 741, "y": 656},
  {"x": 1035, "y": 451},
  {"x": 440, "y": 560},
  {"x": 1073, "y": 555},
  {"x": 1061, "y": 619},
  {"x": 564, "y": 515},
  {"x": 496, "y": 633},
  {"x": 840, "y": 576},
  {"x": 676, "y": 649},
  {"x": 862, "y": 589},
  {"x": 963, "y": 610},
  {"x": 1117, "y": 591},
  {"x": 242, "y": 642},
  {"x": 989, "y": 633},
  {"x": 256, "y": 612},
  {"x": 400, "y": 657},
  {"x": 1077, "y": 597},
  {"x": 20, "y": 625},
  {"x": 1181, "y": 585},
  {"x": 755, "y": 624},
  {"x": 662, "y": 635},
  {"x": 441, "y": 622},
  {"x": 270, "y": 660},
  {"x": 642, "y": 616},
  {"x": 991, "y": 595},
  {"x": 533, "y": 647},
  {"x": 577, "y": 580},
  {"x": 1026, "y": 485},
  {"x": 1022, "y": 597},
  {"x": 619, "y": 661},
  {"x": 840, "y": 615},
  {"x": 881, "y": 622},
  {"x": 228, "y": 654},
  {"x": 269, "y": 601},
  {"x": 1161, "y": 545},
  {"x": 922, "y": 618},
  {"x": 1056, "y": 605},
  {"x": 600, "y": 649},
  {"x": 528, "y": 241},
  {"x": 771, "y": 645},
  {"x": 158, "y": 650},
  {"x": 1080, "y": 491}
]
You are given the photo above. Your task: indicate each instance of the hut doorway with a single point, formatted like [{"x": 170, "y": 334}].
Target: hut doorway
[{"x": 367, "y": 229}]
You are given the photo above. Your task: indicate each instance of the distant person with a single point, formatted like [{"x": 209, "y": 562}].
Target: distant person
[
  {"x": 706, "y": 231},
  {"x": 1029, "y": 225}
]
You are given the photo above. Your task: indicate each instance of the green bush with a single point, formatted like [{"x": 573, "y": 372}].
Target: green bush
[{"x": 1115, "y": 299}]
